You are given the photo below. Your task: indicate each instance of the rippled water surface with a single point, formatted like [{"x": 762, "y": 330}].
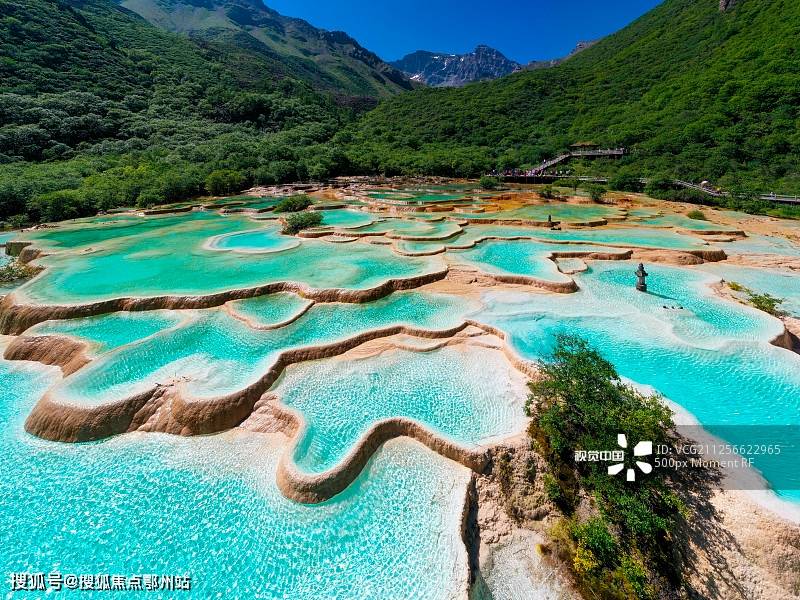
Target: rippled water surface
[{"x": 209, "y": 507}]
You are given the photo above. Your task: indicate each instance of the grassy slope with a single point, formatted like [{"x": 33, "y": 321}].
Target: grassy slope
[
  {"x": 328, "y": 61},
  {"x": 692, "y": 91}
]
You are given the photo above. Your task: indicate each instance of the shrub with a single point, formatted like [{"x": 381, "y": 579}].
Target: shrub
[
  {"x": 766, "y": 302},
  {"x": 149, "y": 198},
  {"x": 595, "y": 539},
  {"x": 18, "y": 221},
  {"x": 61, "y": 205},
  {"x": 225, "y": 181},
  {"x": 296, "y": 222},
  {"x": 15, "y": 271},
  {"x": 489, "y": 183},
  {"x": 580, "y": 403},
  {"x": 736, "y": 287},
  {"x": 596, "y": 192},
  {"x": 624, "y": 182},
  {"x": 293, "y": 204},
  {"x": 548, "y": 192},
  {"x": 698, "y": 215}
]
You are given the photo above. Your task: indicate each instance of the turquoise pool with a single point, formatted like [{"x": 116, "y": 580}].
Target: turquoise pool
[
  {"x": 209, "y": 508},
  {"x": 684, "y": 222},
  {"x": 263, "y": 240},
  {"x": 216, "y": 354},
  {"x": 109, "y": 332},
  {"x": 155, "y": 264},
  {"x": 559, "y": 211},
  {"x": 521, "y": 257},
  {"x": 779, "y": 283},
  {"x": 464, "y": 394},
  {"x": 271, "y": 310},
  {"x": 344, "y": 218},
  {"x": 711, "y": 357}
]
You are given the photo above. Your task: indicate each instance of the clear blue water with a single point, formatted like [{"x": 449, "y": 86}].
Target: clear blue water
[
  {"x": 779, "y": 283},
  {"x": 617, "y": 236},
  {"x": 465, "y": 395},
  {"x": 684, "y": 222},
  {"x": 154, "y": 264},
  {"x": 270, "y": 310},
  {"x": 266, "y": 239},
  {"x": 109, "y": 332},
  {"x": 405, "y": 227},
  {"x": 346, "y": 218},
  {"x": 762, "y": 244},
  {"x": 520, "y": 257},
  {"x": 209, "y": 507},
  {"x": 218, "y": 354},
  {"x": 711, "y": 357}
]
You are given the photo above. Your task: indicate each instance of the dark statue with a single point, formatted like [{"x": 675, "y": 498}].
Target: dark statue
[{"x": 641, "y": 284}]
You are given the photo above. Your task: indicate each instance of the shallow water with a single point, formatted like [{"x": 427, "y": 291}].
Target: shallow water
[
  {"x": 109, "y": 332},
  {"x": 762, "y": 244},
  {"x": 711, "y": 357},
  {"x": 209, "y": 507},
  {"x": 215, "y": 354},
  {"x": 270, "y": 310},
  {"x": 521, "y": 257},
  {"x": 559, "y": 211},
  {"x": 684, "y": 222},
  {"x": 404, "y": 227},
  {"x": 155, "y": 264},
  {"x": 619, "y": 236},
  {"x": 265, "y": 239},
  {"x": 778, "y": 283},
  {"x": 346, "y": 218},
  {"x": 465, "y": 395}
]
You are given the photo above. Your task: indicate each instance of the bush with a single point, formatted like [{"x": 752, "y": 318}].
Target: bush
[
  {"x": 624, "y": 182},
  {"x": 15, "y": 271},
  {"x": 548, "y": 192},
  {"x": 596, "y": 192},
  {"x": 489, "y": 183},
  {"x": 293, "y": 204},
  {"x": 148, "y": 199},
  {"x": 225, "y": 181},
  {"x": 736, "y": 287},
  {"x": 766, "y": 302},
  {"x": 18, "y": 221},
  {"x": 596, "y": 545},
  {"x": 296, "y": 222},
  {"x": 698, "y": 215},
  {"x": 61, "y": 205},
  {"x": 580, "y": 403}
]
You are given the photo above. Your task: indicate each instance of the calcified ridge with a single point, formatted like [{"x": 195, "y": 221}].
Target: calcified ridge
[{"x": 168, "y": 409}]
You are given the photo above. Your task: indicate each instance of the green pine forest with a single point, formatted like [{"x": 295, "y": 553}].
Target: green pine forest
[{"x": 100, "y": 108}]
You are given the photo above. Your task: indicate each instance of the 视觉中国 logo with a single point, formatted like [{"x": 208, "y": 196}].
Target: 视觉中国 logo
[{"x": 618, "y": 458}]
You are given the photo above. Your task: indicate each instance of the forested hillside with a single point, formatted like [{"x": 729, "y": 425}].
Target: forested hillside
[
  {"x": 330, "y": 61},
  {"x": 692, "y": 91},
  {"x": 98, "y": 108}
]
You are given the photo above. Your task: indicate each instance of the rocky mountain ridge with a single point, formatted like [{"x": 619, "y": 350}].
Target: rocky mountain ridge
[{"x": 440, "y": 69}]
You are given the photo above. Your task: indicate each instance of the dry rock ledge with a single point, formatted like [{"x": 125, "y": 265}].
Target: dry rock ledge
[{"x": 168, "y": 409}]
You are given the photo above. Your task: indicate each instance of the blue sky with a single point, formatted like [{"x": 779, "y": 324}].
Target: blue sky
[{"x": 522, "y": 30}]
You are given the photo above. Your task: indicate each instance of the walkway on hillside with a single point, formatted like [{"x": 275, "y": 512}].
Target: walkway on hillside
[{"x": 539, "y": 172}]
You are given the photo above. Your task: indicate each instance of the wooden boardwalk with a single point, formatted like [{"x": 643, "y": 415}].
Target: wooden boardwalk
[{"x": 539, "y": 175}]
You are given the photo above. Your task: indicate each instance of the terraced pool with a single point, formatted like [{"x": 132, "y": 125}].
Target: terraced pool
[
  {"x": 463, "y": 394},
  {"x": 209, "y": 508},
  {"x": 396, "y": 531}
]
